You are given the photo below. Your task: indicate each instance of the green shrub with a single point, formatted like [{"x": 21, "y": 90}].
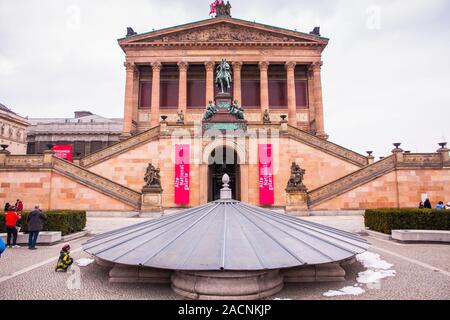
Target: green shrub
[
  {"x": 386, "y": 220},
  {"x": 66, "y": 221}
]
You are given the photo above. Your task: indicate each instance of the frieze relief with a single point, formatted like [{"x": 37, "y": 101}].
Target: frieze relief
[{"x": 225, "y": 33}]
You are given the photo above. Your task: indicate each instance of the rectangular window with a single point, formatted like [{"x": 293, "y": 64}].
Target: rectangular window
[
  {"x": 251, "y": 94},
  {"x": 278, "y": 94},
  {"x": 301, "y": 94},
  {"x": 169, "y": 94},
  {"x": 196, "y": 93},
  {"x": 145, "y": 95}
]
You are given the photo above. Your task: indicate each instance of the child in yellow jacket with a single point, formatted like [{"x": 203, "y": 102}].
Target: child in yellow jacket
[{"x": 64, "y": 261}]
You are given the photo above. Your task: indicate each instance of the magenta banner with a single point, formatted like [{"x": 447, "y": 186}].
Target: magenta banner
[
  {"x": 182, "y": 160},
  {"x": 266, "y": 190}
]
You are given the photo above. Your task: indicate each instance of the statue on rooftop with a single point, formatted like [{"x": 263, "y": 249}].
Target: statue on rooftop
[
  {"x": 223, "y": 77},
  {"x": 131, "y": 32}
]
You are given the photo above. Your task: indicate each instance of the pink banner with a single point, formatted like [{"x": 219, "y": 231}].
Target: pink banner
[
  {"x": 182, "y": 159},
  {"x": 63, "y": 152},
  {"x": 266, "y": 190}
]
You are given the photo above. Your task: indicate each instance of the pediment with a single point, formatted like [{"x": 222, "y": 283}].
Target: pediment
[{"x": 224, "y": 30}]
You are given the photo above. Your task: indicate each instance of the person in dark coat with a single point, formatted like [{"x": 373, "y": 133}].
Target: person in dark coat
[
  {"x": 427, "y": 204},
  {"x": 35, "y": 223},
  {"x": 7, "y": 205}
]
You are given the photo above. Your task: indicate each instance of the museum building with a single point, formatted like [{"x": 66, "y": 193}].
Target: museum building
[{"x": 225, "y": 95}]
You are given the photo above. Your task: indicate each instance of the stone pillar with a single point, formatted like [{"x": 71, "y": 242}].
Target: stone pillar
[
  {"x": 292, "y": 102},
  {"x": 156, "y": 66},
  {"x": 128, "y": 108},
  {"x": 209, "y": 81},
  {"x": 135, "y": 113},
  {"x": 444, "y": 151},
  {"x": 398, "y": 152},
  {"x": 316, "y": 69},
  {"x": 182, "y": 91},
  {"x": 237, "y": 95},
  {"x": 203, "y": 183},
  {"x": 264, "y": 85},
  {"x": 311, "y": 102},
  {"x": 370, "y": 157}
]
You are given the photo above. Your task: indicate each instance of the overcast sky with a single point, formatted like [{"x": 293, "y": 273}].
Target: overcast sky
[{"x": 386, "y": 74}]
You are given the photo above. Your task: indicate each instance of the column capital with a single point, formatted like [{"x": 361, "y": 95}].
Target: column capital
[
  {"x": 183, "y": 65},
  {"x": 290, "y": 65},
  {"x": 316, "y": 66},
  {"x": 209, "y": 65},
  {"x": 156, "y": 66},
  {"x": 129, "y": 66},
  {"x": 237, "y": 64},
  {"x": 263, "y": 65}
]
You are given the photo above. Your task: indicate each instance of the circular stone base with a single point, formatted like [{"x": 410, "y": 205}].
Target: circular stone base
[{"x": 227, "y": 285}]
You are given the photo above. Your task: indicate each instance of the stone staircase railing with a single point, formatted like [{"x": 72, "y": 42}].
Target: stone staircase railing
[
  {"x": 79, "y": 174},
  {"x": 351, "y": 181},
  {"x": 119, "y": 147},
  {"x": 328, "y": 147}
]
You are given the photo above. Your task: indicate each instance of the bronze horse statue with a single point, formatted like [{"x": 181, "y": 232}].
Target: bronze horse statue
[{"x": 223, "y": 76}]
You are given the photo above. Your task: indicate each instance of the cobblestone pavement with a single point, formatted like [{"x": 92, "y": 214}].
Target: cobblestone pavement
[{"x": 422, "y": 272}]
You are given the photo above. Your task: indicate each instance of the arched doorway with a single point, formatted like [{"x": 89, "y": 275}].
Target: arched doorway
[{"x": 223, "y": 160}]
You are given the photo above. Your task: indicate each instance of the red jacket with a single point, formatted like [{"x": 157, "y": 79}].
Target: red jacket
[
  {"x": 19, "y": 206},
  {"x": 11, "y": 218}
]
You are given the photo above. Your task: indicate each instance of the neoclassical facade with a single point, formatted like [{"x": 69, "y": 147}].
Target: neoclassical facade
[
  {"x": 13, "y": 131},
  {"x": 173, "y": 153},
  {"x": 173, "y": 70}
]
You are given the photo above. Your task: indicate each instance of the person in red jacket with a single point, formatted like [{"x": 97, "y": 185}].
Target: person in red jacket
[
  {"x": 11, "y": 218},
  {"x": 19, "y": 205}
]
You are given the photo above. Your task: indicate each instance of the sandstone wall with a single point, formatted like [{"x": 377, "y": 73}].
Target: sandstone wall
[{"x": 385, "y": 192}]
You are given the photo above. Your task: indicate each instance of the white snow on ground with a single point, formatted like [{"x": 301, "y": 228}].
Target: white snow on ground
[
  {"x": 372, "y": 276},
  {"x": 354, "y": 291},
  {"x": 83, "y": 262},
  {"x": 372, "y": 260},
  {"x": 377, "y": 269}
]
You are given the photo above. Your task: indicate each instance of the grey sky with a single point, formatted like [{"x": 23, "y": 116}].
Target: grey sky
[{"x": 386, "y": 75}]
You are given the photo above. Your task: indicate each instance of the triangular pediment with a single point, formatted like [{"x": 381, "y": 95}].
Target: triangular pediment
[{"x": 224, "y": 30}]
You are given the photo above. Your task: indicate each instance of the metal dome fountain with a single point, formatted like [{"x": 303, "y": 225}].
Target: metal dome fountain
[{"x": 226, "y": 249}]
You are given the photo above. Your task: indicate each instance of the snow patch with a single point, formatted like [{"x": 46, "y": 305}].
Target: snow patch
[
  {"x": 372, "y": 260},
  {"x": 372, "y": 276},
  {"x": 354, "y": 291},
  {"x": 83, "y": 262}
]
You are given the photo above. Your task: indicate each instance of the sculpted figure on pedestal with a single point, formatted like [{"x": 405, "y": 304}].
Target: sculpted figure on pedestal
[
  {"x": 152, "y": 178},
  {"x": 237, "y": 111},
  {"x": 223, "y": 76},
  {"x": 295, "y": 183},
  {"x": 210, "y": 111}
]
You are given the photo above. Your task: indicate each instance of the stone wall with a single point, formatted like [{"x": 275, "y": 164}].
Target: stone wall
[
  {"x": 51, "y": 190},
  {"x": 398, "y": 188}
]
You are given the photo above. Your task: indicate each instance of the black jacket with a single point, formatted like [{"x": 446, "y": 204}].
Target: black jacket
[{"x": 36, "y": 220}]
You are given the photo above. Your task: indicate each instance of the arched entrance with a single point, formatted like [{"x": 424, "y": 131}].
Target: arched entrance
[{"x": 223, "y": 160}]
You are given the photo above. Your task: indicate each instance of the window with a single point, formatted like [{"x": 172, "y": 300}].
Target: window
[
  {"x": 250, "y": 86},
  {"x": 277, "y": 86},
  {"x": 196, "y": 86}
]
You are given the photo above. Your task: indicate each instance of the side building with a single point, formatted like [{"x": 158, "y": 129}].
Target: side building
[
  {"x": 13, "y": 131},
  {"x": 86, "y": 132}
]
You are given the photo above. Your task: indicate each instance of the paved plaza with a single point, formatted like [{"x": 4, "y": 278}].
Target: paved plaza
[{"x": 422, "y": 271}]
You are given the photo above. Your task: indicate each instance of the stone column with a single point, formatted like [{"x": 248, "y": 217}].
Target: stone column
[
  {"x": 209, "y": 81},
  {"x": 135, "y": 113},
  {"x": 128, "y": 108},
  {"x": 182, "y": 81},
  {"x": 292, "y": 102},
  {"x": 264, "y": 85},
  {"x": 311, "y": 102},
  {"x": 316, "y": 69},
  {"x": 237, "y": 67},
  {"x": 156, "y": 66}
]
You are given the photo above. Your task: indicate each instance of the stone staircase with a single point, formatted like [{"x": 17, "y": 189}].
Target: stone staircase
[
  {"x": 97, "y": 182},
  {"x": 328, "y": 147},
  {"x": 120, "y": 147},
  {"x": 351, "y": 181}
]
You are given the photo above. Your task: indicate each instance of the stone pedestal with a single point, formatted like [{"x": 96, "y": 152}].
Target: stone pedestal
[
  {"x": 151, "y": 200},
  {"x": 329, "y": 272},
  {"x": 135, "y": 274},
  {"x": 297, "y": 203},
  {"x": 227, "y": 285}
]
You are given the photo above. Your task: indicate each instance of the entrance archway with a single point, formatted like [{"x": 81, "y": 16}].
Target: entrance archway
[{"x": 223, "y": 160}]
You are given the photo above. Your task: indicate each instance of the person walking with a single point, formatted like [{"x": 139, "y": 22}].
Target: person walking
[
  {"x": 7, "y": 205},
  {"x": 427, "y": 204},
  {"x": 19, "y": 205},
  {"x": 11, "y": 218},
  {"x": 35, "y": 223}
]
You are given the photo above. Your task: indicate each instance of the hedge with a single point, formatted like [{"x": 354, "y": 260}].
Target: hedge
[
  {"x": 386, "y": 220},
  {"x": 66, "y": 221}
]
